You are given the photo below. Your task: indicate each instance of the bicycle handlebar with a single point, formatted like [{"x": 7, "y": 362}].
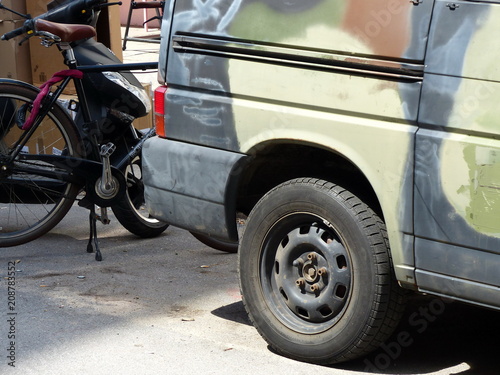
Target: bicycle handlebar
[
  {"x": 27, "y": 26},
  {"x": 70, "y": 11}
]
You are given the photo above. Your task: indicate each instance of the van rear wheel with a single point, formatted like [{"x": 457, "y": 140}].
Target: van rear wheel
[
  {"x": 315, "y": 273},
  {"x": 215, "y": 243}
]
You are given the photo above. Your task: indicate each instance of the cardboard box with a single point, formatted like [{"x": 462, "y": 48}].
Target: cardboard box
[
  {"x": 109, "y": 30},
  {"x": 44, "y": 61},
  {"x": 146, "y": 122},
  {"x": 36, "y": 7},
  {"x": 47, "y": 61},
  {"x": 17, "y": 5},
  {"x": 46, "y": 140},
  {"x": 15, "y": 61},
  {"x": 108, "y": 25}
]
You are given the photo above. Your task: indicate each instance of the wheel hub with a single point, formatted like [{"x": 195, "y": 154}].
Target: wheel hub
[{"x": 311, "y": 274}]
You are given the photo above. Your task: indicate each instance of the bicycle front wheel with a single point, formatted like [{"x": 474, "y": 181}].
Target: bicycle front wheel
[{"x": 31, "y": 203}]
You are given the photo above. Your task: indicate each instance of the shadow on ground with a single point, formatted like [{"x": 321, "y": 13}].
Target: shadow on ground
[
  {"x": 437, "y": 334},
  {"x": 434, "y": 335}
]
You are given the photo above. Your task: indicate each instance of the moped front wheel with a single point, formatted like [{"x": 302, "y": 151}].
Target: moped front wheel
[{"x": 132, "y": 212}]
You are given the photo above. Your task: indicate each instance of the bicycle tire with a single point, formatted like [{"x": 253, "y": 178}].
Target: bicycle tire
[
  {"x": 131, "y": 212},
  {"x": 30, "y": 204},
  {"x": 223, "y": 245}
]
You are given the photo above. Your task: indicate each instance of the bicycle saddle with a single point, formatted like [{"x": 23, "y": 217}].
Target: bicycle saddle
[{"x": 67, "y": 32}]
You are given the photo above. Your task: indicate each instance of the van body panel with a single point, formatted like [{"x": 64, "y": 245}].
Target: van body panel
[
  {"x": 318, "y": 55},
  {"x": 457, "y": 155},
  {"x": 460, "y": 105},
  {"x": 449, "y": 260},
  {"x": 387, "y": 29},
  {"x": 166, "y": 25},
  {"x": 405, "y": 93},
  {"x": 187, "y": 187},
  {"x": 247, "y": 73},
  {"x": 457, "y": 196},
  {"x": 459, "y": 38},
  {"x": 458, "y": 289}
]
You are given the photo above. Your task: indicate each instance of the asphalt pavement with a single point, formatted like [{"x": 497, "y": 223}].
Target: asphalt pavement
[{"x": 171, "y": 305}]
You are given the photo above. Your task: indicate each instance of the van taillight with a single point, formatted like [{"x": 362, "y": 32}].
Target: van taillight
[{"x": 160, "y": 111}]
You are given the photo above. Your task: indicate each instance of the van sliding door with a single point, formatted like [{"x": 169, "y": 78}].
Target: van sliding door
[{"x": 457, "y": 161}]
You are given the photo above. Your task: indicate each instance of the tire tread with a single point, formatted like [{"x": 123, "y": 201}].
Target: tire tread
[{"x": 388, "y": 305}]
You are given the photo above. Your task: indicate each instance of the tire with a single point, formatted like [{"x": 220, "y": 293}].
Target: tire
[
  {"x": 131, "y": 212},
  {"x": 225, "y": 246},
  {"x": 31, "y": 205},
  {"x": 315, "y": 273},
  {"x": 214, "y": 243}
]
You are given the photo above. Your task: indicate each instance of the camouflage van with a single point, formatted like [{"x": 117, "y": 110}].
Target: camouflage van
[{"x": 360, "y": 138}]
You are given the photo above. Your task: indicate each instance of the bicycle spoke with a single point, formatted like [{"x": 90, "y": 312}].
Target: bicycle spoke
[{"x": 33, "y": 195}]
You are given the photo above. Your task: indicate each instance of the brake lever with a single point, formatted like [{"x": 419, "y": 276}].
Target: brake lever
[{"x": 26, "y": 38}]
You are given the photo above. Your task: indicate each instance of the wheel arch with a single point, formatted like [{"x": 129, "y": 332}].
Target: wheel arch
[{"x": 272, "y": 163}]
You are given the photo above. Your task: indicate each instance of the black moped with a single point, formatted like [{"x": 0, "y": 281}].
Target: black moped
[{"x": 87, "y": 151}]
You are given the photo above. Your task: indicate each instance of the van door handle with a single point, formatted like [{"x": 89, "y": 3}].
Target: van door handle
[
  {"x": 416, "y": 2},
  {"x": 453, "y": 6}
]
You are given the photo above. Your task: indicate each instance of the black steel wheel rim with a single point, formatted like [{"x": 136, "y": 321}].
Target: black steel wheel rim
[{"x": 305, "y": 273}]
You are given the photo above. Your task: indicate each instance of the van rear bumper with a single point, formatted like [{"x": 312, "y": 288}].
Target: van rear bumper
[{"x": 191, "y": 186}]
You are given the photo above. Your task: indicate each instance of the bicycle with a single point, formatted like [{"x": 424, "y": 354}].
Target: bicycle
[{"x": 51, "y": 156}]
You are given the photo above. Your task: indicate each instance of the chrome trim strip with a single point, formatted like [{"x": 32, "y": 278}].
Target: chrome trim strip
[{"x": 302, "y": 57}]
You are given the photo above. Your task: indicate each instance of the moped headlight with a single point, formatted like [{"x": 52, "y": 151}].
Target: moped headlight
[{"x": 138, "y": 92}]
